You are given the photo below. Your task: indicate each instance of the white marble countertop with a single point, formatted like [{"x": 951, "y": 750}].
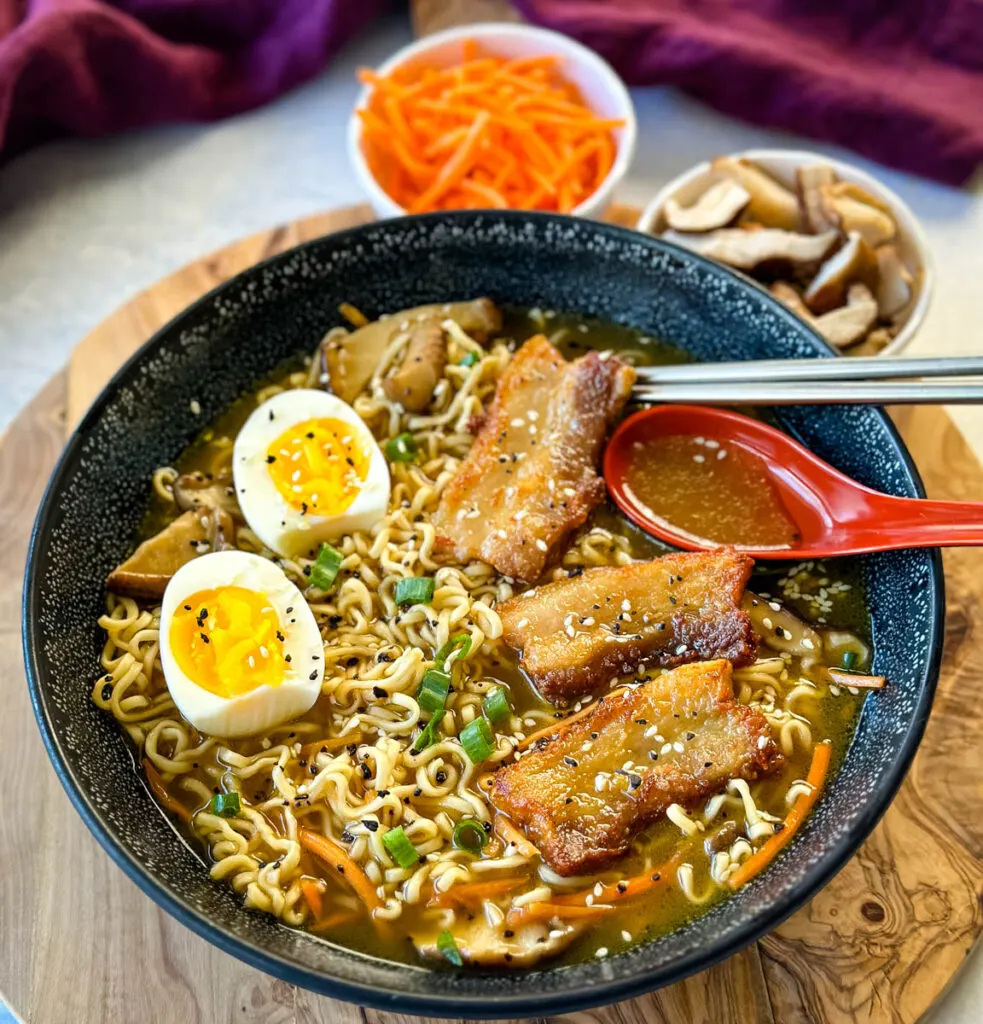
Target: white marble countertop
[{"x": 85, "y": 224}]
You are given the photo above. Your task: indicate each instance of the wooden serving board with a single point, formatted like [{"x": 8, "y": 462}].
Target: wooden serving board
[{"x": 79, "y": 943}]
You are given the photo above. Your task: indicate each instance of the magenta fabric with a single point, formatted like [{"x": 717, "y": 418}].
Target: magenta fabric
[
  {"x": 87, "y": 67},
  {"x": 900, "y": 81}
]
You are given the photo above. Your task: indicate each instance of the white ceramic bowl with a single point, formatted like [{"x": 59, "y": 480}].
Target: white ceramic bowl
[
  {"x": 782, "y": 165},
  {"x": 597, "y": 81}
]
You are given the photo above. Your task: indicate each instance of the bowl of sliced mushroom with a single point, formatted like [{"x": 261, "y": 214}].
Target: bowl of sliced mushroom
[{"x": 835, "y": 245}]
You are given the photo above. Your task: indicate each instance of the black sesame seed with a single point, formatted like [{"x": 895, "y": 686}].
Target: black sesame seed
[
  {"x": 366, "y": 771},
  {"x": 313, "y": 675},
  {"x": 571, "y": 762},
  {"x": 440, "y": 778},
  {"x": 270, "y": 459},
  {"x": 107, "y": 691},
  {"x": 372, "y": 826}
]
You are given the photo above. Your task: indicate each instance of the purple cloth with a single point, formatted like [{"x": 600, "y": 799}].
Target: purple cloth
[
  {"x": 900, "y": 81},
  {"x": 86, "y": 67}
]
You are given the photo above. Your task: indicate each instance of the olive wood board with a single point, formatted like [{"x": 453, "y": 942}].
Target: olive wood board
[{"x": 80, "y": 944}]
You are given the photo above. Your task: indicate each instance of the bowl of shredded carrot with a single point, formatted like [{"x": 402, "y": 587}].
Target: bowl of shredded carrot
[{"x": 497, "y": 116}]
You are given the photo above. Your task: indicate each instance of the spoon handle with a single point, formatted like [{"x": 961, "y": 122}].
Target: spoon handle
[{"x": 915, "y": 522}]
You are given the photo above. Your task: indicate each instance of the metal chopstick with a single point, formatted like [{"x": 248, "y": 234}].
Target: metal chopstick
[
  {"x": 775, "y": 370},
  {"x": 807, "y": 393}
]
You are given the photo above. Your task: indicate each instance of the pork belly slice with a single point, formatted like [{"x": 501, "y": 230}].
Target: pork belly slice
[
  {"x": 576, "y": 635},
  {"x": 583, "y": 795},
  {"x": 530, "y": 478}
]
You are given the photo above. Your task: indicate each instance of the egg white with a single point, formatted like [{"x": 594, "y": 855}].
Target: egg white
[
  {"x": 264, "y": 706},
  {"x": 280, "y": 526}
]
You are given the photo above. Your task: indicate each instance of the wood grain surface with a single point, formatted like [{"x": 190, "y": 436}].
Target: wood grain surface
[{"x": 79, "y": 944}]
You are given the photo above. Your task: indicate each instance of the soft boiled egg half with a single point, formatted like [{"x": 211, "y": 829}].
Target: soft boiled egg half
[
  {"x": 239, "y": 646},
  {"x": 307, "y": 469}
]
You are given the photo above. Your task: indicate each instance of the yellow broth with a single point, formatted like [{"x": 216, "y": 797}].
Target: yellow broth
[{"x": 831, "y": 717}]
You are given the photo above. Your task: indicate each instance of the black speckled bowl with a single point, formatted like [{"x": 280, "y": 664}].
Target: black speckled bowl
[{"x": 218, "y": 347}]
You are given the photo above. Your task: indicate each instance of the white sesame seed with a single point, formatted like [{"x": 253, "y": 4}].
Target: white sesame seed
[
  {"x": 666, "y": 748},
  {"x": 699, "y": 458},
  {"x": 722, "y": 454},
  {"x": 602, "y": 953},
  {"x": 712, "y": 444},
  {"x": 542, "y": 545},
  {"x": 808, "y": 644},
  {"x": 626, "y": 605},
  {"x": 522, "y": 623},
  {"x": 767, "y": 623},
  {"x": 195, "y": 406},
  {"x": 681, "y": 649},
  {"x": 679, "y": 748},
  {"x": 626, "y": 935}
]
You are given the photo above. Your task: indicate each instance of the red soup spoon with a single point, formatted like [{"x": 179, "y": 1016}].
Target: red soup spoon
[{"x": 828, "y": 513}]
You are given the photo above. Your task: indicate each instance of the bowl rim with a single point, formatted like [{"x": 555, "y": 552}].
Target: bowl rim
[
  {"x": 613, "y": 83},
  {"x": 905, "y": 216},
  {"x": 475, "y": 1005}
]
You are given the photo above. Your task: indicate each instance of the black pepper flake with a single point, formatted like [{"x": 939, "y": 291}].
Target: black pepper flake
[
  {"x": 418, "y": 791},
  {"x": 366, "y": 770},
  {"x": 280, "y": 636},
  {"x": 569, "y": 800},
  {"x": 351, "y": 748},
  {"x": 187, "y": 607},
  {"x": 107, "y": 691},
  {"x": 508, "y": 933},
  {"x": 313, "y": 772},
  {"x": 653, "y": 755},
  {"x": 508, "y": 958},
  {"x": 271, "y": 415},
  {"x": 656, "y": 877},
  {"x": 313, "y": 675},
  {"x": 440, "y": 778},
  {"x": 351, "y": 662},
  {"x": 672, "y": 600},
  {"x": 270, "y": 459},
  {"x": 204, "y": 638},
  {"x": 690, "y": 736},
  {"x": 383, "y": 792},
  {"x": 708, "y": 764},
  {"x": 287, "y": 658},
  {"x": 641, "y": 721},
  {"x": 622, "y": 887},
  {"x": 379, "y": 692},
  {"x": 779, "y": 826}
]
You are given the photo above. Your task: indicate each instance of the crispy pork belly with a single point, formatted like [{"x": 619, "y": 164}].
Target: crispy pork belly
[
  {"x": 578, "y": 634},
  {"x": 583, "y": 795},
  {"x": 530, "y": 478}
]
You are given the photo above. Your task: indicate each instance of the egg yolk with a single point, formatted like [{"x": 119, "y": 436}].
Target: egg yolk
[
  {"x": 319, "y": 466},
  {"x": 228, "y": 641}
]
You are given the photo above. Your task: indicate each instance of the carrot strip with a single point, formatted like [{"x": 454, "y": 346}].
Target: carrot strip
[
  {"x": 333, "y": 921},
  {"x": 333, "y": 855},
  {"x": 762, "y": 857},
  {"x": 863, "y": 682},
  {"x": 626, "y": 888},
  {"x": 484, "y": 193},
  {"x": 456, "y": 167},
  {"x": 313, "y": 895},
  {"x": 159, "y": 790},
  {"x": 475, "y": 892}
]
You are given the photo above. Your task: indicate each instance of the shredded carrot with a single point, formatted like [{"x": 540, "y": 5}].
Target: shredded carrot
[
  {"x": 335, "y": 920},
  {"x": 511, "y": 834},
  {"x": 486, "y": 132},
  {"x": 475, "y": 893},
  {"x": 332, "y": 854},
  {"x": 627, "y": 887},
  {"x": 548, "y": 909},
  {"x": 312, "y": 893},
  {"x": 353, "y": 315},
  {"x": 863, "y": 682},
  {"x": 159, "y": 790},
  {"x": 762, "y": 857},
  {"x": 561, "y": 724}
]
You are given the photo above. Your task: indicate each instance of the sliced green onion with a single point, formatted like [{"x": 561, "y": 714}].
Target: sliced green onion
[
  {"x": 496, "y": 706},
  {"x": 850, "y": 659},
  {"x": 414, "y": 590},
  {"x": 448, "y": 948},
  {"x": 469, "y": 835},
  {"x": 470, "y": 359},
  {"x": 402, "y": 851},
  {"x": 432, "y": 694},
  {"x": 225, "y": 805},
  {"x": 325, "y": 568},
  {"x": 477, "y": 740},
  {"x": 428, "y": 737},
  {"x": 402, "y": 448},
  {"x": 459, "y": 643}
]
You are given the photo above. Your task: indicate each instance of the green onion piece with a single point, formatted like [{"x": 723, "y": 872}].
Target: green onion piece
[
  {"x": 402, "y": 448},
  {"x": 225, "y": 805},
  {"x": 414, "y": 590},
  {"x": 470, "y": 359},
  {"x": 325, "y": 568},
  {"x": 402, "y": 851},
  {"x": 477, "y": 739},
  {"x": 428, "y": 737},
  {"x": 459, "y": 643},
  {"x": 496, "y": 705},
  {"x": 850, "y": 659},
  {"x": 432, "y": 694},
  {"x": 448, "y": 948},
  {"x": 469, "y": 835}
]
